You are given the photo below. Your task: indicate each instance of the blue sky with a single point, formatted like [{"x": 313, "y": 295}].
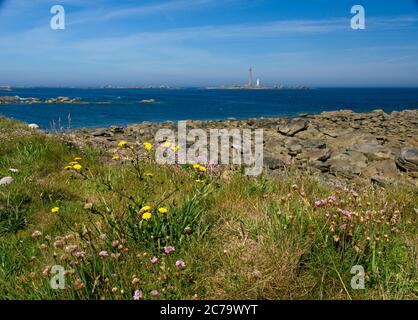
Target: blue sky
[{"x": 209, "y": 42}]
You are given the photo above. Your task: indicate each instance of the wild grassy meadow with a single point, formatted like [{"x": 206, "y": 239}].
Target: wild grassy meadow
[{"x": 132, "y": 229}]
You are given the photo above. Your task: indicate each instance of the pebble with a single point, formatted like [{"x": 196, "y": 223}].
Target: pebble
[
  {"x": 88, "y": 206},
  {"x": 6, "y": 180}
]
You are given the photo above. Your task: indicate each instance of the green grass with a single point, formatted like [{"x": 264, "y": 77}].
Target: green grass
[{"x": 240, "y": 237}]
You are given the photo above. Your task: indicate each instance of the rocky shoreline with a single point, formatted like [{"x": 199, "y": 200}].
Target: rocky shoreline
[
  {"x": 32, "y": 100},
  {"x": 340, "y": 146}
]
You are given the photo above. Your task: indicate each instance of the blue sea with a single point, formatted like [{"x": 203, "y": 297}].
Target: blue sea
[{"x": 107, "y": 107}]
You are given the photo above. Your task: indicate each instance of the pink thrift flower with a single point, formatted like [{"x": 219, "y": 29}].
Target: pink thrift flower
[
  {"x": 180, "y": 264},
  {"x": 79, "y": 254},
  {"x": 154, "y": 260},
  {"x": 155, "y": 293},
  {"x": 137, "y": 295},
  {"x": 169, "y": 249},
  {"x": 345, "y": 212},
  {"x": 320, "y": 202},
  {"x": 343, "y": 227},
  {"x": 103, "y": 254}
]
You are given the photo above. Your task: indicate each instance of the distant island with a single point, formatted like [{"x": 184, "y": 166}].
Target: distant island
[
  {"x": 280, "y": 87},
  {"x": 32, "y": 100},
  {"x": 165, "y": 87},
  {"x": 257, "y": 86},
  {"x": 148, "y": 101}
]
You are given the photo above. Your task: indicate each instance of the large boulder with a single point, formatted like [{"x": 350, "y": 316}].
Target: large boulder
[
  {"x": 314, "y": 144},
  {"x": 344, "y": 170},
  {"x": 316, "y": 154},
  {"x": 101, "y": 133},
  {"x": 116, "y": 129},
  {"x": 385, "y": 169},
  {"x": 293, "y": 126},
  {"x": 350, "y": 138},
  {"x": 274, "y": 162},
  {"x": 312, "y": 132},
  {"x": 348, "y": 164},
  {"x": 408, "y": 159},
  {"x": 374, "y": 151}
]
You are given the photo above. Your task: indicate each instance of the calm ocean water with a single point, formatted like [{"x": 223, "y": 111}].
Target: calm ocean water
[{"x": 121, "y": 106}]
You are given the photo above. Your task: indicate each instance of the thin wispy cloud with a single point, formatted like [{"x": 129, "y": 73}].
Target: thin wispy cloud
[
  {"x": 104, "y": 14},
  {"x": 155, "y": 8},
  {"x": 402, "y": 58},
  {"x": 272, "y": 29},
  {"x": 42, "y": 40}
]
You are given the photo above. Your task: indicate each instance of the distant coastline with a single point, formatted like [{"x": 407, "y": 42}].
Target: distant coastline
[{"x": 258, "y": 88}]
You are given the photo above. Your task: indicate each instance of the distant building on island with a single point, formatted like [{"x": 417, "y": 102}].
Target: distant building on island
[
  {"x": 250, "y": 85},
  {"x": 250, "y": 77}
]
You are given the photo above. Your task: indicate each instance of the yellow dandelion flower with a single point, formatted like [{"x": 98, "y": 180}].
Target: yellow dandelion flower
[
  {"x": 77, "y": 167},
  {"x": 199, "y": 181},
  {"x": 175, "y": 148},
  {"x": 72, "y": 163},
  {"x": 166, "y": 144},
  {"x": 148, "y": 174},
  {"x": 115, "y": 157},
  {"x": 68, "y": 167},
  {"x": 55, "y": 210},
  {"x": 146, "y": 215},
  {"x": 146, "y": 208},
  {"x": 162, "y": 210},
  {"x": 196, "y": 166},
  {"x": 202, "y": 168},
  {"x": 122, "y": 143},
  {"x": 77, "y": 159},
  {"x": 147, "y": 146}
]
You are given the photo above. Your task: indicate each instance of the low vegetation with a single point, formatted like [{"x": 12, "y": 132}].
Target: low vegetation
[{"x": 123, "y": 227}]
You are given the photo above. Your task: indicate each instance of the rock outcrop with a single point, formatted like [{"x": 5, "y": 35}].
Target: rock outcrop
[
  {"x": 32, "y": 100},
  {"x": 342, "y": 145}
]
